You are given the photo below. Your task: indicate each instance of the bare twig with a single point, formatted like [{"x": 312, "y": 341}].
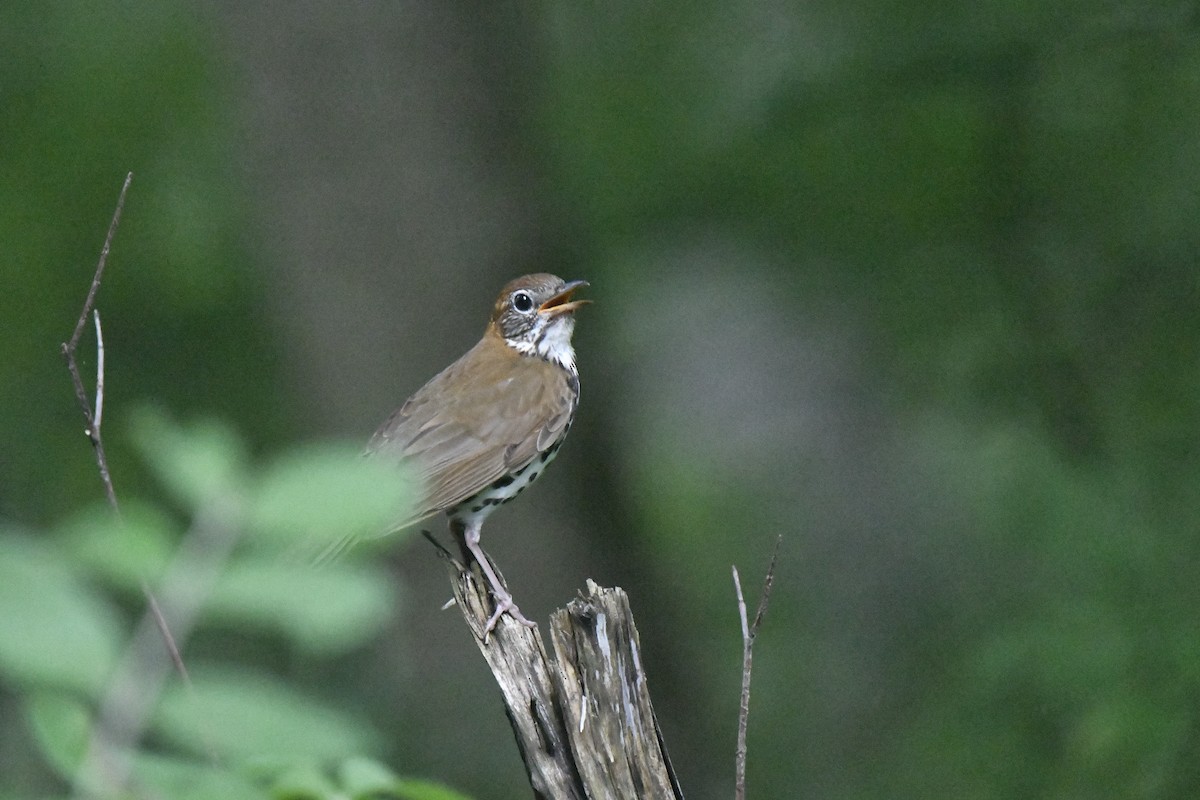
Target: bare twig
[
  {"x": 142, "y": 672},
  {"x": 739, "y": 783},
  {"x": 68, "y": 349},
  {"x": 90, "y": 303},
  {"x": 741, "y": 600},
  {"x": 155, "y": 612},
  {"x": 124, "y": 709},
  {"x": 749, "y": 632},
  {"x": 99, "y": 372}
]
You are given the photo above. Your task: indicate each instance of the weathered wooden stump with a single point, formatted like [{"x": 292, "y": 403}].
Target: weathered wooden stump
[{"x": 582, "y": 718}]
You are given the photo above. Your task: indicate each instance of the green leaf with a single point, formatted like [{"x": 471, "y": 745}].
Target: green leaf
[
  {"x": 330, "y": 608},
  {"x": 55, "y": 631},
  {"x": 245, "y": 715},
  {"x": 180, "y": 779},
  {"x": 197, "y": 462},
  {"x": 364, "y": 777},
  {"x": 328, "y": 492},
  {"x": 305, "y": 782},
  {"x": 124, "y": 551},
  {"x": 61, "y": 725},
  {"x": 426, "y": 790}
]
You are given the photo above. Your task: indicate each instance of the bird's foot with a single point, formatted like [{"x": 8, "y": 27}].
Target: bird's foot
[
  {"x": 504, "y": 600},
  {"x": 505, "y": 605}
]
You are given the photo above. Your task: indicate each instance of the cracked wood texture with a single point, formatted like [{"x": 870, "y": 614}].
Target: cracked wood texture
[{"x": 582, "y": 717}]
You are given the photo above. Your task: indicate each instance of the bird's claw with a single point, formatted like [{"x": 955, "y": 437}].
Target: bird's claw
[{"x": 505, "y": 605}]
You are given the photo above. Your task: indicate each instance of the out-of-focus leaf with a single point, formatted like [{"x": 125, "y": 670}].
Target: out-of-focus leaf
[
  {"x": 179, "y": 779},
  {"x": 245, "y": 715},
  {"x": 60, "y": 725},
  {"x": 325, "y": 493},
  {"x": 426, "y": 790},
  {"x": 55, "y": 631},
  {"x": 123, "y": 551},
  {"x": 323, "y": 609},
  {"x": 366, "y": 779},
  {"x": 196, "y": 462},
  {"x": 363, "y": 777},
  {"x": 305, "y": 782}
]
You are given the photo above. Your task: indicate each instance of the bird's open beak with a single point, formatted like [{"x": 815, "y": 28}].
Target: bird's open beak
[{"x": 562, "y": 303}]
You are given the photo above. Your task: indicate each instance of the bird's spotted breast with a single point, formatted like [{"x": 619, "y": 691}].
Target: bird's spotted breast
[{"x": 479, "y": 505}]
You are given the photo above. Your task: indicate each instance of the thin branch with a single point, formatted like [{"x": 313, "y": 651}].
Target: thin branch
[
  {"x": 765, "y": 598},
  {"x": 739, "y": 781},
  {"x": 123, "y": 710},
  {"x": 141, "y": 673},
  {"x": 155, "y": 612},
  {"x": 68, "y": 348},
  {"x": 90, "y": 303},
  {"x": 741, "y": 601},
  {"x": 749, "y": 632},
  {"x": 99, "y": 420}
]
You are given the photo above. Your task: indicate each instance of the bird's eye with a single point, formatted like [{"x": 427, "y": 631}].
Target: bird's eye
[{"x": 522, "y": 302}]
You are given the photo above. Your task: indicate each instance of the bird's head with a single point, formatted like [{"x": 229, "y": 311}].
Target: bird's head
[{"x": 534, "y": 314}]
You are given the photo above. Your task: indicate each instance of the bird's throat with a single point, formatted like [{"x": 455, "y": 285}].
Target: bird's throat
[{"x": 551, "y": 342}]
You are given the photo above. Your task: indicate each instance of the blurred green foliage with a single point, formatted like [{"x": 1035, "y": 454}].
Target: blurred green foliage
[{"x": 70, "y": 596}]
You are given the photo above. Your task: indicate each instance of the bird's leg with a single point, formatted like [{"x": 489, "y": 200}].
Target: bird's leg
[{"x": 504, "y": 600}]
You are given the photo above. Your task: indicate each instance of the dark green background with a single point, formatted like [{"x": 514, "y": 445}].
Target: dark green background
[{"x": 913, "y": 286}]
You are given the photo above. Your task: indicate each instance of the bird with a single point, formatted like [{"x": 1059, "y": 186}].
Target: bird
[{"x": 484, "y": 428}]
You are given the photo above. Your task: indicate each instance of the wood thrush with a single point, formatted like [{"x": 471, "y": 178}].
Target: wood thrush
[{"x": 487, "y": 426}]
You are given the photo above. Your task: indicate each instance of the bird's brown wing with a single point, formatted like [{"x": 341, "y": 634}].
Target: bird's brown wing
[{"x": 504, "y": 409}]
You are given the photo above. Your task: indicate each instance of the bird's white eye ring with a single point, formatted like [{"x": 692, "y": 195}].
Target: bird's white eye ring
[{"x": 522, "y": 302}]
